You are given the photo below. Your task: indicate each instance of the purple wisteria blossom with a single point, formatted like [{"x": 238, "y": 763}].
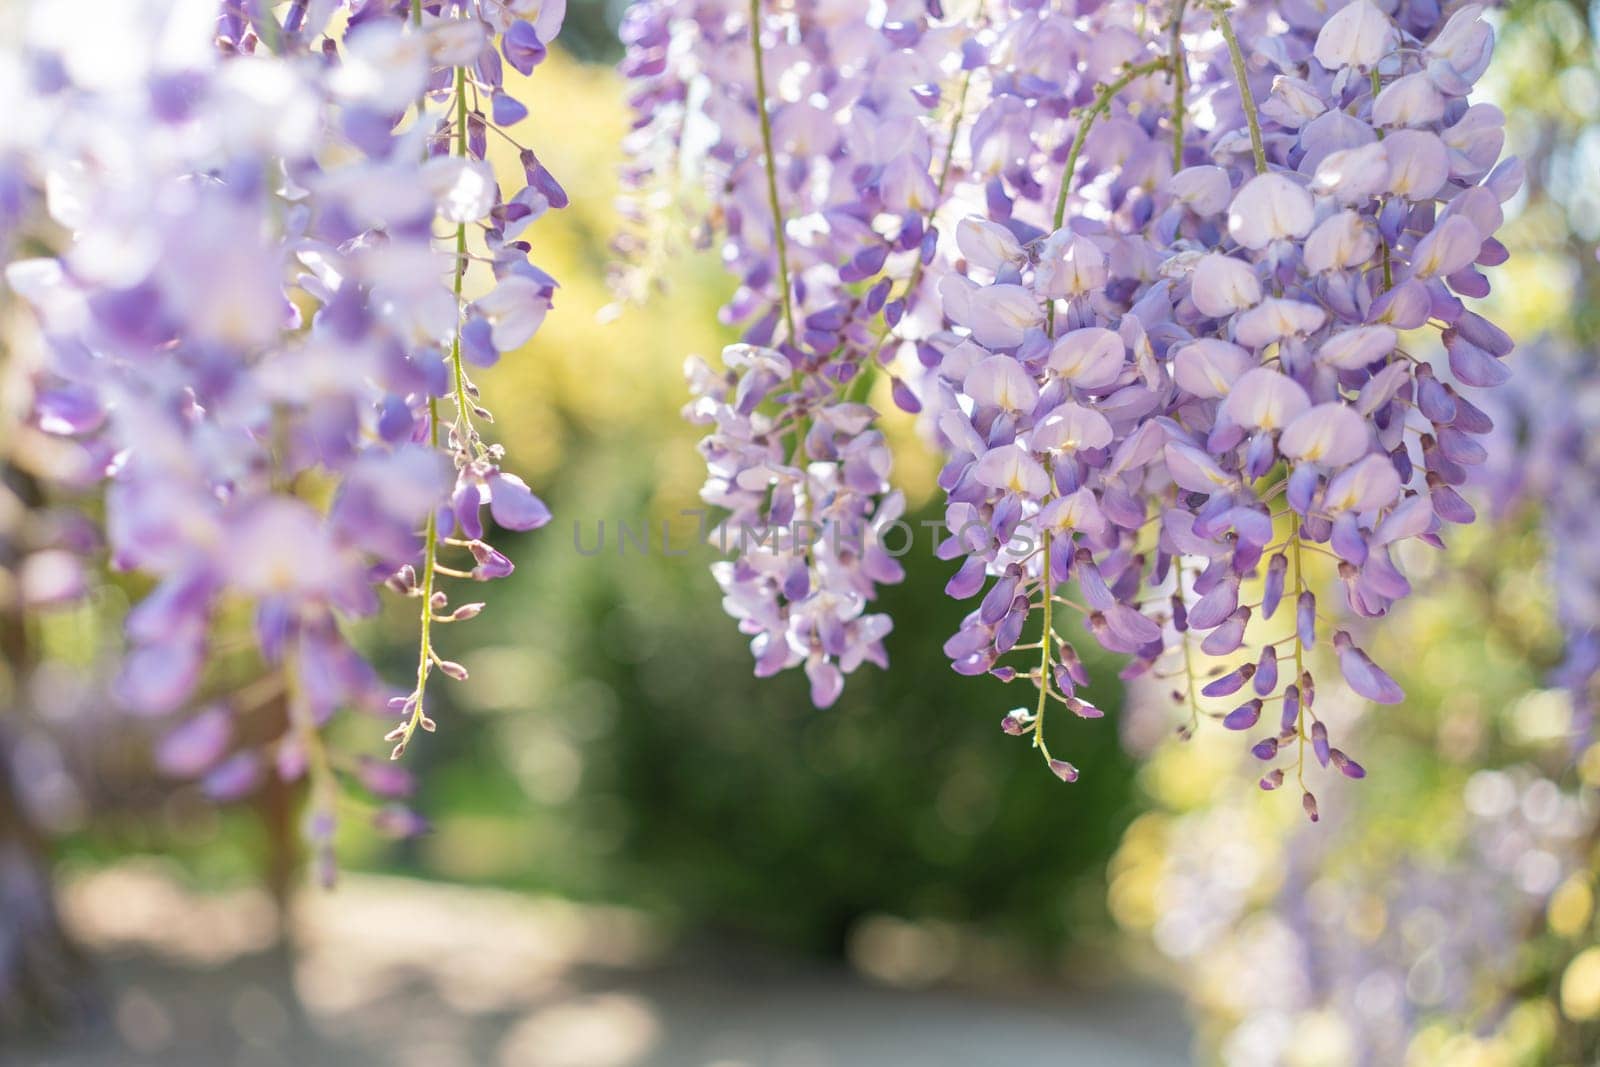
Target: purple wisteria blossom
[
  {"x": 827, "y": 131},
  {"x": 1194, "y": 338},
  {"x": 258, "y": 336},
  {"x": 1216, "y": 307}
]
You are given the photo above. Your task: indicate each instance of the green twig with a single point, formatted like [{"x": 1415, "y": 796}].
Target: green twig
[
  {"x": 1241, "y": 75},
  {"x": 1102, "y": 103},
  {"x": 780, "y": 241},
  {"x": 1179, "y": 85}
]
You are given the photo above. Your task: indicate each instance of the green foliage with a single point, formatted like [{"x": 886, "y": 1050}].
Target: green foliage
[{"x": 691, "y": 787}]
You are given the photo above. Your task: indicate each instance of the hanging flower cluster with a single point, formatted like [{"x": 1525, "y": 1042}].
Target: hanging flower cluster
[
  {"x": 257, "y": 336},
  {"x": 824, "y": 135},
  {"x": 1196, "y": 264}
]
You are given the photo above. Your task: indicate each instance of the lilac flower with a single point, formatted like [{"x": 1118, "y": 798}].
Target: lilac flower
[
  {"x": 195, "y": 746},
  {"x": 1270, "y": 207},
  {"x": 1164, "y": 347},
  {"x": 1359, "y": 34},
  {"x": 826, "y": 187},
  {"x": 247, "y": 302}
]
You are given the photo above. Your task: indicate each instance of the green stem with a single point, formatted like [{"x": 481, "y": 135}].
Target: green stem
[
  {"x": 955, "y": 131},
  {"x": 779, "y": 240},
  {"x": 1179, "y": 85},
  {"x": 430, "y": 536},
  {"x": 268, "y": 29},
  {"x": 1388, "y": 266},
  {"x": 1044, "y": 655},
  {"x": 1241, "y": 75},
  {"x": 1102, "y": 103},
  {"x": 463, "y": 405}
]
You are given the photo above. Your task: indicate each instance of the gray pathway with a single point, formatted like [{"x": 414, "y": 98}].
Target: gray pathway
[{"x": 407, "y": 975}]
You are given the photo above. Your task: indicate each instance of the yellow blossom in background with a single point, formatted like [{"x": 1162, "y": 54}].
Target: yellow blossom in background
[
  {"x": 1580, "y": 986},
  {"x": 1571, "y": 906}
]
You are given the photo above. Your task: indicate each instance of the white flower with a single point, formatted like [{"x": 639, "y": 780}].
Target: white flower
[
  {"x": 1269, "y": 207},
  {"x": 515, "y": 309},
  {"x": 1357, "y": 35},
  {"x": 463, "y": 189}
]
